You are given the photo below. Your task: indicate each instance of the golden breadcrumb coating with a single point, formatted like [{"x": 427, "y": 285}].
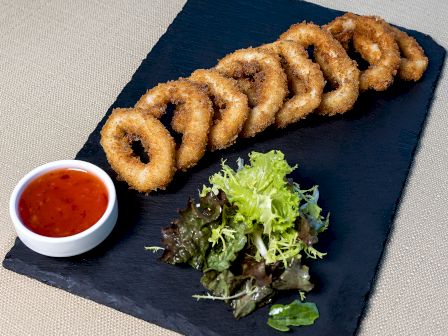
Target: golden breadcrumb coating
[
  {"x": 193, "y": 107},
  {"x": 304, "y": 77},
  {"x": 261, "y": 77},
  {"x": 337, "y": 67},
  {"x": 231, "y": 104},
  {"x": 127, "y": 125}
]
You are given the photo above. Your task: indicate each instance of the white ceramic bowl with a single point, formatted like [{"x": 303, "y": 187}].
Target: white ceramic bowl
[{"x": 70, "y": 245}]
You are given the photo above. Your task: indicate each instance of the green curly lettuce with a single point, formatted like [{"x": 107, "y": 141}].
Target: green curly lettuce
[
  {"x": 270, "y": 207},
  {"x": 260, "y": 192}
]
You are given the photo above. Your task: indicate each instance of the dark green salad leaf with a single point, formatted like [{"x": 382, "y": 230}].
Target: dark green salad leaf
[
  {"x": 257, "y": 270},
  {"x": 257, "y": 297},
  {"x": 221, "y": 284},
  {"x": 295, "y": 276},
  {"x": 294, "y": 314},
  {"x": 226, "y": 240},
  {"x": 249, "y": 235},
  {"x": 186, "y": 239}
]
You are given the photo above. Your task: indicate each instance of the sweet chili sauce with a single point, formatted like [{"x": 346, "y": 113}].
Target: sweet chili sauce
[{"x": 63, "y": 202}]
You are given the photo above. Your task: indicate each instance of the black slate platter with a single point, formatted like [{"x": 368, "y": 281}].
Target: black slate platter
[{"x": 360, "y": 160}]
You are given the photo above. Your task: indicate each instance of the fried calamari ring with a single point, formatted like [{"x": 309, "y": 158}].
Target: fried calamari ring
[
  {"x": 381, "y": 71},
  {"x": 337, "y": 67},
  {"x": 304, "y": 77},
  {"x": 231, "y": 104},
  {"x": 192, "y": 116},
  {"x": 260, "y": 76},
  {"x": 127, "y": 125},
  {"x": 413, "y": 61}
]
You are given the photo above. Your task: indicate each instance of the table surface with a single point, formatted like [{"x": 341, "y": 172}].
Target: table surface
[{"x": 62, "y": 64}]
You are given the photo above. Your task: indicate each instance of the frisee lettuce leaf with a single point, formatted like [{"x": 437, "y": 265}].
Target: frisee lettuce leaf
[
  {"x": 232, "y": 242},
  {"x": 269, "y": 206},
  {"x": 260, "y": 192}
]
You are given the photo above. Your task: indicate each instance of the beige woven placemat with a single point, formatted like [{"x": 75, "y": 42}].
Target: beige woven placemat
[{"x": 61, "y": 66}]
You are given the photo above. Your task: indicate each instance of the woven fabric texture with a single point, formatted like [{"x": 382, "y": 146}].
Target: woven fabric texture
[{"x": 63, "y": 63}]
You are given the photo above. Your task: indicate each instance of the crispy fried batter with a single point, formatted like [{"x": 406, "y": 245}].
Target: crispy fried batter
[
  {"x": 337, "y": 67},
  {"x": 304, "y": 77},
  {"x": 193, "y": 116},
  {"x": 382, "y": 53},
  {"x": 126, "y": 125},
  {"x": 231, "y": 104},
  {"x": 247, "y": 91},
  {"x": 413, "y": 61},
  {"x": 260, "y": 76}
]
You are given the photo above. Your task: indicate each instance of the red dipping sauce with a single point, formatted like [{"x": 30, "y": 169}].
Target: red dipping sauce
[{"x": 63, "y": 202}]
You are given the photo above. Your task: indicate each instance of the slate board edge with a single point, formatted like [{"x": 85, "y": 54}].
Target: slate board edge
[
  {"x": 157, "y": 317},
  {"x": 398, "y": 202},
  {"x": 100, "y": 299}
]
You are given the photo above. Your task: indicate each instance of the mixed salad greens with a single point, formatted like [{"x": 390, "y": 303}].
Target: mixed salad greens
[{"x": 249, "y": 234}]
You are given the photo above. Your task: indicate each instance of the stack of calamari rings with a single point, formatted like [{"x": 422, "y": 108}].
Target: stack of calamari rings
[{"x": 254, "y": 88}]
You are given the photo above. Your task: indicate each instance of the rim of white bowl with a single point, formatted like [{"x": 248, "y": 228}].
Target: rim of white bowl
[{"x": 55, "y": 165}]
